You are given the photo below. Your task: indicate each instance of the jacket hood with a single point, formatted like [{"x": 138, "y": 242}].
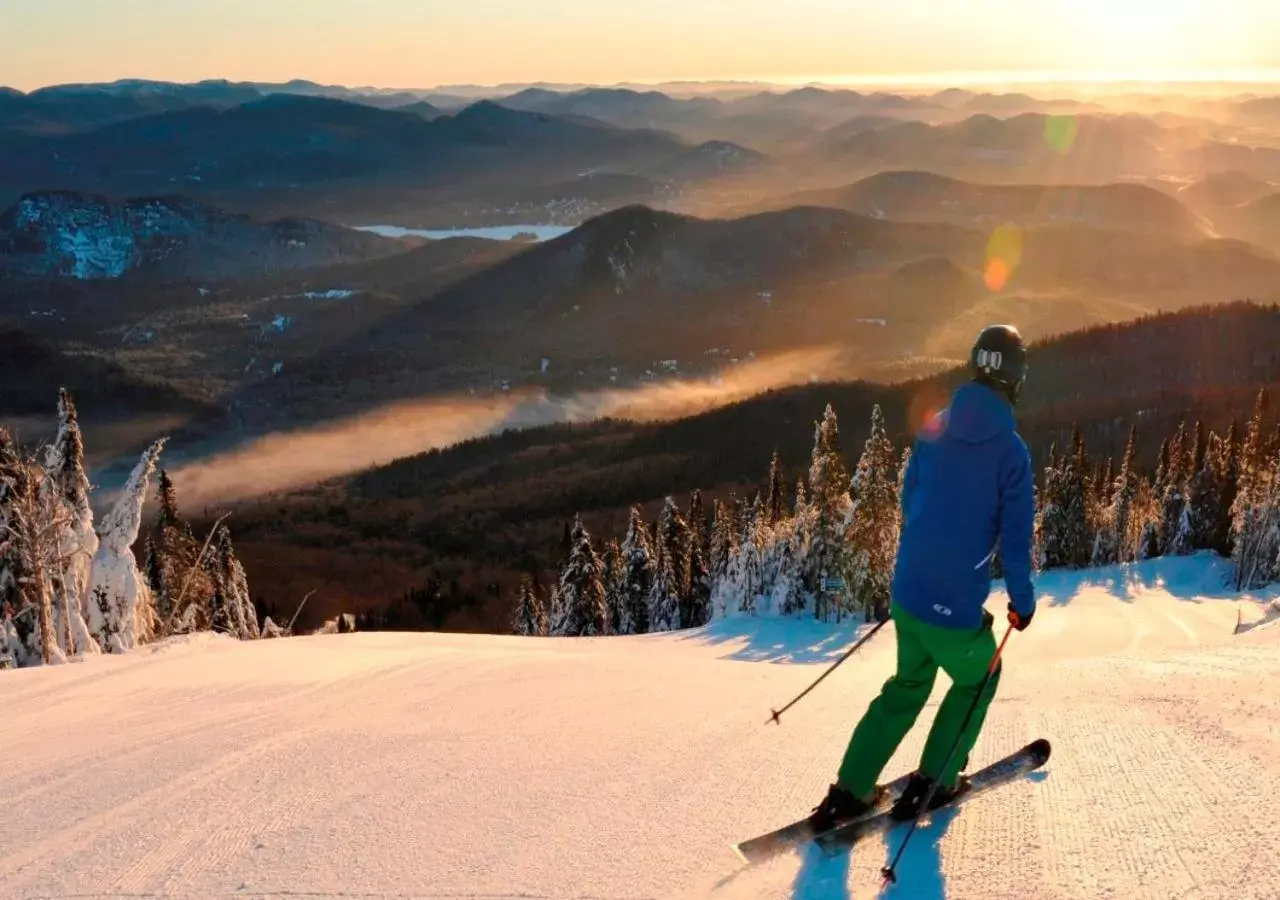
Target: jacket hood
[{"x": 978, "y": 413}]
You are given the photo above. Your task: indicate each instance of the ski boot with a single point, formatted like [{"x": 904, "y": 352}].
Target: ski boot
[
  {"x": 840, "y": 806},
  {"x": 908, "y": 805}
]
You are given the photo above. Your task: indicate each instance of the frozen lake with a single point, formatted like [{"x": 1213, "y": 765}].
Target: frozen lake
[{"x": 497, "y": 233}]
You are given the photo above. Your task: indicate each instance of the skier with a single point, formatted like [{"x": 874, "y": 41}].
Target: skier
[{"x": 968, "y": 485}]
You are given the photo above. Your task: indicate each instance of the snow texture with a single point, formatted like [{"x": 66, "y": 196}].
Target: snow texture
[{"x": 395, "y": 765}]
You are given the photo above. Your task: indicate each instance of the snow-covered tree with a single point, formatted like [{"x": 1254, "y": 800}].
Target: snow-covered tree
[
  {"x": 530, "y": 618},
  {"x": 10, "y": 560},
  {"x": 749, "y": 570},
  {"x": 77, "y": 542},
  {"x": 36, "y": 522},
  {"x": 667, "y": 596},
  {"x": 699, "y": 590},
  {"x": 185, "y": 589},
  {"x": 1207, "y": 509},
  {"x": 614, "y": 596},
  {"x": 776, "y": 504},
  {"x": 637, "y": 579},
  {"x": 1174, "y": 523},
  {"x": 580, "y": 602},
  {"x": 122, "y": 612},
  {"x": 231, "y": 609},
  {"x": 1248, "y": 509},
  {"x": 1053, "y": 527},
  {"x": 874, "y": 520},
  {"x": 829, "y": 504},
  {"x": 1120, "y": 529}
]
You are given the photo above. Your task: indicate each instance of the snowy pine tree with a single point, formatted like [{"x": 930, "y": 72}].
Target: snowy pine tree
[
  {"x": 829, "y": 505},
  {"x": 871, "y": 534},
  {"x": 530, "y": 618},
  {"x": 37, "y": 521},
  {"x": 69, "y": 574},
  {"x": 10, "y": 560},
  {"x": 231, "y": 609},
  {"x": 637, "y": 577},
  {"x": 668, "y": 606},
  {"x": 1120, "y": 528},
  {"x": 1174, "y": 536},
  {"x": 122, "y": 614},
  {"x": 1053, "y": 527},
  {"x": 1252, "y": 487},
  {"x": 777, "y": 502},
  {"x": 580, "y": 602},
  {"x": 1206, "y": 492},
  {"x": 182, "y": 602},
  {"x": 699, "y": 591},
  {"x": 749, "y": 571},
  {"x": 614, "y": 595}
]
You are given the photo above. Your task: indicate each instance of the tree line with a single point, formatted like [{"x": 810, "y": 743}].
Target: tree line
[
  {"x": 69, "y": 589},
  {"x": 827, "y": 546}
]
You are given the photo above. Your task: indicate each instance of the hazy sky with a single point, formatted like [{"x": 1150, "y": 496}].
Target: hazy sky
[{"x": 422, "y": 43}]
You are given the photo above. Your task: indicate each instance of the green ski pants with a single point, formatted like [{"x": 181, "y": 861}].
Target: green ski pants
[{"x": 922, "y": 649}]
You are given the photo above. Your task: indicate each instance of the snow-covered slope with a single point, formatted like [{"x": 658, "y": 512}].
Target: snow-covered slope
[{"x": 410, "y": 765}]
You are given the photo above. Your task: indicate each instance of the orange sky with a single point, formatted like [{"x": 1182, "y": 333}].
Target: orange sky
[{"x": 423, "y": 43}]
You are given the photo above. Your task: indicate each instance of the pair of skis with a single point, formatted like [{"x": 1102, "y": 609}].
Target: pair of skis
[{"x": 846, "y": 834}]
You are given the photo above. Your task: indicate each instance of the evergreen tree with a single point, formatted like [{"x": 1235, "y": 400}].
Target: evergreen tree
[
  {"x": 777, "y": 504},
  {"x": 1076, "y": 498},
  {"x": 1053, "y": 530},
  {"x": 667, "y": 606},
  {"x": 875, "y": 520},
  {"x": 614, "y": 593},
  {"x": 530, "y": 618},
  {"x": 1252, "y": 484},
  {"x": 699, "y": 591},
  {"x": 722, "y": 540},
  {"x": 1198, "y": 450},
  {"x": 1117, "y": 540},
  {"x": 77, "y": 541},
  {"x": 10, "y": 559},
  {"x": 749, "y": 570},
  {"x": 1174, "y": 537},
  {"x": 1230, "y": 487},
  {"x": 181, "y": 580},
  {"x": 36, "y": 522},
  {"x": 580, "y": 602},
  {"x": 829, "y": 503}
]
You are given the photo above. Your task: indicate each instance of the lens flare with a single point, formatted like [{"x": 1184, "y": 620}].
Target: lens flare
[
  {"x": 1004, "y": 253},
  {"x": 1060, "y": 132}
]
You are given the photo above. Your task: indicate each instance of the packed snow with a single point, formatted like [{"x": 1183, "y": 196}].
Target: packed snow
[
  {"x": 496, "y": 233},
  {"x": 447, "y": 765}
]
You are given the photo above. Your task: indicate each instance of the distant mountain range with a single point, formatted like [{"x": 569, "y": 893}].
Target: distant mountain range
[
  {"x": 303, "y": 153},
  {"x": 908, "y": 196}
]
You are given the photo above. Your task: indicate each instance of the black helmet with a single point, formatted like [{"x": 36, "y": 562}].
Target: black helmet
[{"x": 999, "y": 359}]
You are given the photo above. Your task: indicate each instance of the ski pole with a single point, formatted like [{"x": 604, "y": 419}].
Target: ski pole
[
  {"x": 890, "y": 877},
  {"x": 866, "y": 637}
]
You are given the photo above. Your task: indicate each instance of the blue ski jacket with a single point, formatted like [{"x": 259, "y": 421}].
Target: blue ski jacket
[{"x": 968, "y": 484}]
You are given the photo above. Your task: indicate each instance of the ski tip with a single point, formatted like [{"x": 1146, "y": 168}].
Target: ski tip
[
  {"x": 1040, "y": 749},
  {"x": 742, "y": 857}
]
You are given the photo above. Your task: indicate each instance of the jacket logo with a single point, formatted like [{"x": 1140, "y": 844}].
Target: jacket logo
[{"x": 939, "y": 608}]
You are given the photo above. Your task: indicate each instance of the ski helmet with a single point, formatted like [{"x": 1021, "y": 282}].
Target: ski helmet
[{"x": 999, "y": 359}]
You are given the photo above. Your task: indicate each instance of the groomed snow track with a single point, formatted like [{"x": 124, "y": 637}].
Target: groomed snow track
[{"x": 433, "y": 766}]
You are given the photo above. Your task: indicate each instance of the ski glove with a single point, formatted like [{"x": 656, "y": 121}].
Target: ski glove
[{"x": 1019, "y": 620}]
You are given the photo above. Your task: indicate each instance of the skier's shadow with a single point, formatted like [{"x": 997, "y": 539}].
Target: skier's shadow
[{"x": 919, "y": 871}]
